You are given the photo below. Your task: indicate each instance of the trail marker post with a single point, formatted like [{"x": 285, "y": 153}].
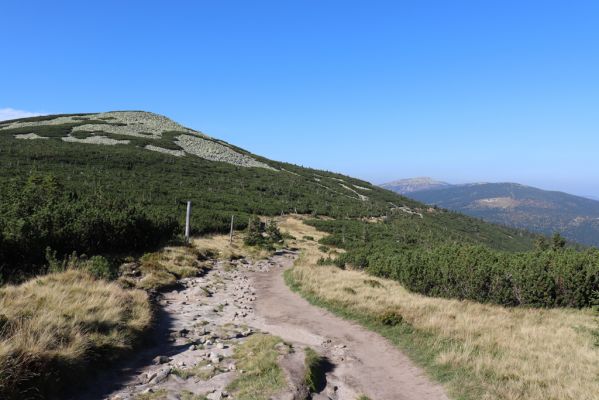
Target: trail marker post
[
  {"x": 187, "y": 218},
  {"x": 231, "y": 232}
]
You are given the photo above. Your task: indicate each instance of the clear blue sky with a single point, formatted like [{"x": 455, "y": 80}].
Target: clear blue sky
[{"x": 458, "y": 90}]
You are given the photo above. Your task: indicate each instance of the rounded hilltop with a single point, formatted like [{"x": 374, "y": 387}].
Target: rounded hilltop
[{"x": 148, "y": 130}]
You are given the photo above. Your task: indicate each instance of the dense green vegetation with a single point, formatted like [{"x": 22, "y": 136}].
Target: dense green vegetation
[
  {"x": 262, "y": 235},
  {"x": 57, "y": 198},
  {"x": 474, "y": 264},
  {"x": 401, "y": 230},
  {"x": 38, "y": 214},
  {"x": 96, "y": 199}
]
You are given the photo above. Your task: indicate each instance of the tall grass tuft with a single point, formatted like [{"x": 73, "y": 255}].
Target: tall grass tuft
[{"x": 52, "y": 328}]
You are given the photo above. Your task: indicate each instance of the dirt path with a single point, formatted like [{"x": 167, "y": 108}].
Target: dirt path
[
  {"x": 363, "y": 362},
  {"x": 203, "y": 320}
]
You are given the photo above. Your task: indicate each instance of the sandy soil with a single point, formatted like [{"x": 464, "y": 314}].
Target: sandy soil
[{"x": 362, "y": 362}]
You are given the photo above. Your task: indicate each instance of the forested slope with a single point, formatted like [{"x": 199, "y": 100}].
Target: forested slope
[{"x": 118, "y": 181}]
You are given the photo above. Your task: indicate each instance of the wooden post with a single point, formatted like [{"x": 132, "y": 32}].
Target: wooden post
[
  {"x": 187, "y": 217},
  {"x": 231, "y": 232}
]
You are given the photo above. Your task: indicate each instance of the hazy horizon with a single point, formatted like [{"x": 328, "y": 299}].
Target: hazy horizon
[{"x": 451, "y": 182}]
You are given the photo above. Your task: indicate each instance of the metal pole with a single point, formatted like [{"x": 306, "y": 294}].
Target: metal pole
[
  {"x": 231, "y": 233},
  {"x": 187, "y": 217}
]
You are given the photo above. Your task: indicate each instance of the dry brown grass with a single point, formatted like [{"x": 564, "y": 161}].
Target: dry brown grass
[
  {"x": 163, "y": 268},
  {"x": 52, "y": 326},
  {"x": 504, "y": 353},
  {"x": 224, "y": 250}
]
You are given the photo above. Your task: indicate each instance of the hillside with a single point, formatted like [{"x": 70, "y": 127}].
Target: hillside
[
  {"x": 93, "y": 205},
  {"x": 525, "y": 207},
  {"x": 118, "y": 181}
]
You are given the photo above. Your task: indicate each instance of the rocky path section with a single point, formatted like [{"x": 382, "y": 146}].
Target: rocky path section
[
  {"x": 200, "y": 323},
  {"x": 205, "y": 318}
]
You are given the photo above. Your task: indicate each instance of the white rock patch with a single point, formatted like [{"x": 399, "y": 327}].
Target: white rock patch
[
  {"x": 360, "y": 196},
  {"x": 361, "y": 187},
  {"x": 146, "y": 125},
  {"x": 212, "y": 151},
  {"x": 95, "y": 140},
  {"x": 30, "y": 136},
  {"x": 176, "y": 153},
  {"x": 138, "y": 123},
  {"x": 55, "y": 121}
]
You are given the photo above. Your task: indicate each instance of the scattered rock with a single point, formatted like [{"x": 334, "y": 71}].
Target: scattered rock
[
  {"x": 216, "y": 395},
  {"x": 214, "y": 358},
  {"x": 148, "y": 376},
  {"x": 161, "y": 360},
  {"x": 161, "y": 375}
]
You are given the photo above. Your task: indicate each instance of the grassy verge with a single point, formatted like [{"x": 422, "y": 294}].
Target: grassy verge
[
  {"x": 226, "y": 250},
  {"x": 262, "y": 376},
  {"x": 477, "y": 351},
  {"x": 416, "y": 344},
  {"x": 53, "y": 328},
  {"x": 203, "y": 371}
]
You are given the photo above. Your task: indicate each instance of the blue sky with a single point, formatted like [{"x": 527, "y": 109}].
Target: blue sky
[{"x": 458, "y": 90}]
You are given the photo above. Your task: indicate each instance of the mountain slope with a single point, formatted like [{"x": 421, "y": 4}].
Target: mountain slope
[
  {"x": 162, "y": 155},
  {"x": 577, "y": 218},
  {"x": 117, "y": 181}
]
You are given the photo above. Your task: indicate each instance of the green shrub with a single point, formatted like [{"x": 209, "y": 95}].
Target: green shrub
[
  {"x": 436, "y": 266},
  {"x": 101, "y": 268},
  {"x": 42, "y": 223},
  {"x": 262, "y": 235},
  {"x": 391, "y": 318},
  {"x": 324, "y": 249},
  {"x": 325, "y": 261}
]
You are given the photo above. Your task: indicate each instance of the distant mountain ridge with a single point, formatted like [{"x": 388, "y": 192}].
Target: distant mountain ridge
[
  {"x": 411, "y": 185},
  {"x": 520, "y": 206}
]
